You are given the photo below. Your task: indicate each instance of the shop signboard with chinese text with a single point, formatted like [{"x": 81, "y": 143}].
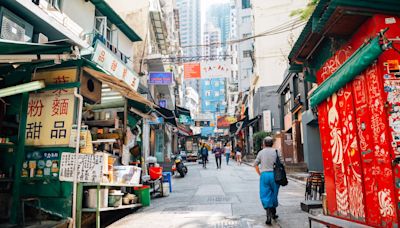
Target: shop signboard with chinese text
[
  {"x": 51, "y": 113},
  {"x": 191, "y": 71},
  {"x": 202, "y": 123},
  {"x": 111, "y": 63},
  {"x": 215, "y": 69},
  {"x": 223, "y": 122},
  {"x": 267, "y": 121},
  {"x": 162, "y": 103},
  {"x": 160, "y": 78},
  {"x": 184, "y": 119}
]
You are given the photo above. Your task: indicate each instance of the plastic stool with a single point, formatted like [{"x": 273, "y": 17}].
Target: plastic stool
[
  {"x": 167, "y": 178},
  {"x": 33, "y": 199}
]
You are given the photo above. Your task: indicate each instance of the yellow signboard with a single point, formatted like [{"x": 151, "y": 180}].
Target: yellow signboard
[{"x": 51, "y": 113}]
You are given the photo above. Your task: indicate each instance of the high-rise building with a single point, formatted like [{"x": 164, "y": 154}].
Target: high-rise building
[
  {"x": 244, "y": 48},
  {"x": 190, "y": 26},
  {"x": 219, "y": 16},
  {"x": 211, "y": 40},
  {"x": 190, "y": 34}
]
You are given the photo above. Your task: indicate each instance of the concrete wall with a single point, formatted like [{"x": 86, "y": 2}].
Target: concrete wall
[
  {"x": 266, "y": 98},
  {"x": 81, "y": 12},
  {"x": 312, "y": 144},
  {"x": 271, "y": 51}
]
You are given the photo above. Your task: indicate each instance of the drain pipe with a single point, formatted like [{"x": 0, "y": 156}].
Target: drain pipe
[{"x": 78, "y": 134}]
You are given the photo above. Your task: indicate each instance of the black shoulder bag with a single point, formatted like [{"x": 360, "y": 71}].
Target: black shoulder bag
[{"x": 279, "y": 172}]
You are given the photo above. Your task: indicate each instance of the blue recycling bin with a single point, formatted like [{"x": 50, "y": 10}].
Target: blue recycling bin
[{"x": 167, "y": 178}]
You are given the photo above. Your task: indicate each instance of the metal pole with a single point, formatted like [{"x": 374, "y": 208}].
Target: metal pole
[{"x": 78, "y": 134}]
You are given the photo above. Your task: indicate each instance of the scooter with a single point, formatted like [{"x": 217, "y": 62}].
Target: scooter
[{"x": 179, "y": 166}]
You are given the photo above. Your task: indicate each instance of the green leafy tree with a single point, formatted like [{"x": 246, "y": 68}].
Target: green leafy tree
[
  {"x": 258, "y": 139},
  {"x": 307, "y": 11}
]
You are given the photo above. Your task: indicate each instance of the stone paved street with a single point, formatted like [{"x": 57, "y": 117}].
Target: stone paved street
[{"x": 218, "y": 198}]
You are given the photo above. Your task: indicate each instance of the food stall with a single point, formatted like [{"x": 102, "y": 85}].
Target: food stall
[{"x": 39, "y": 143}]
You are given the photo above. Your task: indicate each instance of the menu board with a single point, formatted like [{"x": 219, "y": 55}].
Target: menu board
[{"x": 89, "y": 167}]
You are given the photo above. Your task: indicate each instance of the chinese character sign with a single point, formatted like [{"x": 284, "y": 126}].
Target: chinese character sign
[
  {"x": 215, "y": 69},
  {"x": 89, "y": 167},
  {"x": 160, "y": 78},
  {"x": 106, "y": 59},
  {"x": 191, "y": 71},
  {"x": 50, "y": 118}
]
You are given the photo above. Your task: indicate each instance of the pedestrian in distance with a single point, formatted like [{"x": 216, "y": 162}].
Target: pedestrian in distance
[
  {"x": 238, "y": 153},
  {"x": 218, "y": 151},
  {"x": 264, "y": 165},
  {"x": 227, "y": 151},
  {"x": 204, "y": 155}
]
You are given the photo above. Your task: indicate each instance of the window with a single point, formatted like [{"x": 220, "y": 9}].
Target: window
[
  {"x": 288, "y": 102},
  {"x": 216, "y": 84},
  {"x": 216, "y": 94},
  {"x": 246, "y": 19},
  {"x": 207, "y": 103},
  {"x": 208, "y": 93},
  {"x": 248, "y": 72},
  {"x": 247, "y": 53},
  {"x": 246, "y": 4},
  {"x": 55, "y": 4},
  {"x": 245, "y": 35},
  {"x": 207, "y": 82}
]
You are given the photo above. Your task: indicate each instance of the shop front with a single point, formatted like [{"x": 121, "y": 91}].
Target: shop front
[
  {"x": 42, "y": 149},
  {"x": 357, "y": 102}
]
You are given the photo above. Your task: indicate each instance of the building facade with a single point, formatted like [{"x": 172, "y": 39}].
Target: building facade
[
  {"x": 219, "y": 16},
  {"x": 190, "y": 26}
]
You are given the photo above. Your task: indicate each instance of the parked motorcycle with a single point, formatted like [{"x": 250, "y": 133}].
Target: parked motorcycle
[{"x": 179, "y": 166}]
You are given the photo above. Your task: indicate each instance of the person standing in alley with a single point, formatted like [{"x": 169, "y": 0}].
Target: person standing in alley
[
  {"x": 218, "y": 153},
  {"x": 238, "y": 154},
  {"x": 204, "y": 155},
  {"x": 227, "y": 151},
  {"x": 264, "y": 165}
]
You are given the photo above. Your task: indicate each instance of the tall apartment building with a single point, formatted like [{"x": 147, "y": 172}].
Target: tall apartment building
[
  {"x": 211, "y": 40},
  {"x": 219, "y": 16},
  {"x": 190, "y": 34},
  {"x": 244, "y": 48},
  {"x": 190, "y": 26},
  {"x": 233, "y": 80}
]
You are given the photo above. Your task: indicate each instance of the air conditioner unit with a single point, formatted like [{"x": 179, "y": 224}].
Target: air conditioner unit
[{"x": 13, "y": 27}]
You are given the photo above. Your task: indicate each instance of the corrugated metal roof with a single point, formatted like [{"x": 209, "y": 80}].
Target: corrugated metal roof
[{"x": 324, "y": 11}]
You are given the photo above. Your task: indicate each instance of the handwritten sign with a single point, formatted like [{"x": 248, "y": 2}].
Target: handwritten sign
[
  {"x": 105, "y": 58},
  {"x": 215, "y": 69},
  {"x": 89, "y": 167}
]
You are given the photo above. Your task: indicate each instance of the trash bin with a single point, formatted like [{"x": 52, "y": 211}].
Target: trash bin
[{"x": 144, "y": 195}]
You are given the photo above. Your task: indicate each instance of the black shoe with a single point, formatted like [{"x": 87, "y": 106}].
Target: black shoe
[
  {"x": 273, "y": 212},
  {"x": 268, "y": 222}
]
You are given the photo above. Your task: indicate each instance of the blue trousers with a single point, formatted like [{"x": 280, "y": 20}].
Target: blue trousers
[
  {"x": 227, "y": 157},
  {"x": 268, "y": 190}
]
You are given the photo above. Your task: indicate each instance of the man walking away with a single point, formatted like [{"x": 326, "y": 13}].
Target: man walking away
[
  {"x": 218, "y": 153},
  {"x": 264, "y": 165},
  {"x": 204, "y": 155}
]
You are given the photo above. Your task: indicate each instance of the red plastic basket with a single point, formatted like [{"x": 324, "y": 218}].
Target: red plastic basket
[{"x": 155, "y": 172}]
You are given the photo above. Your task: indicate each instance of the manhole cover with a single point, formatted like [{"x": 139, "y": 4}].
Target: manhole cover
[
  {"x": 177, "y": 210},
  {"x": 232, "y": 223},
  {"x": 218, "y": 199}
]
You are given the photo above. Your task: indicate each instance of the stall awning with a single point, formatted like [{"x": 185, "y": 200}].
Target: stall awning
[
  {"x": 353, "y": 66},
  {"x": 181, "y": 111},
  {"x": 184, "y": 130},
  {"x": 167, "y": 114},
  {"x": 118, "y": 85},
  {"x": 236, "y": 127},
  {"x": 9, "y": 47},
  {"x": 248, "y": 123}
]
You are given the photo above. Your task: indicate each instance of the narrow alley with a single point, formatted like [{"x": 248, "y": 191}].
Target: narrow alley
[{"x": 218, "y": 198}]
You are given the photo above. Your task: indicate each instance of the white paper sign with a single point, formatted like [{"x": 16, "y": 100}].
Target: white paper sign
[
  {"x": 111, "y": 63},
  {"x": 89, "y": 168},
  {"x": 267, "y": 121},
  {"x": 215, "y": 69}
]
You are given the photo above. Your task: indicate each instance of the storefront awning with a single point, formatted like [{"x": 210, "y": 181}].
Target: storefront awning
[
  {"x": 9, "y": 47},
  {"x": 118, "y": 85},
  {"x": 185, "y": 131},
  {"x": 167, "y": 114},
  {"x": 353, "y": 66},
  {"x": 181, "y": 111}
]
